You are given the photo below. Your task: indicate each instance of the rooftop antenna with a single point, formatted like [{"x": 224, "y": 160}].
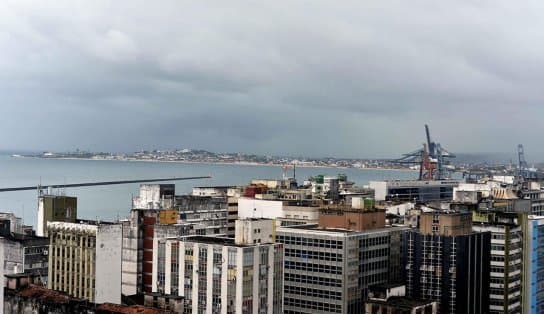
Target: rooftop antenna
[{"x": 294, "y": 171}]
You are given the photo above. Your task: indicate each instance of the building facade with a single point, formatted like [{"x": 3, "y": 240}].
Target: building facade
[
  {"x": 533, "y": 264},
  {"x": 330, "y": 270},
  {"x": 85, "y": 260},
  {"x": 216, "y": 275},
  {"x": 448, "y": 263}
]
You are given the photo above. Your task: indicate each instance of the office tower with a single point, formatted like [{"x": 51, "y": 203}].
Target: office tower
[
  {"x": 329, "y": 268},
  {"x": 448, "y": 263}
]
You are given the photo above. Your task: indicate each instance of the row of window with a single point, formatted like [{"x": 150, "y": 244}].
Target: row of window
[
  {"x": 313, "y": 305},
  {"x": 324, "y": 256},
  {"x": 313, "y": 280},
  {"x": 319, "y": 268},
  {"x": 316, "y": 293},
  {"x": 324, "y": 243}
]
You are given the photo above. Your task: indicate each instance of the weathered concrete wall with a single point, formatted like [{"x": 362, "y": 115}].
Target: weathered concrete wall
[{"x": 108, "y": 264}]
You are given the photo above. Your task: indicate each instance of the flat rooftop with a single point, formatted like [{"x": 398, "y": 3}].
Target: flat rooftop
[
  {"x": 403, "y": 303},
  {"x": 218, "y": 240},
  {"x": 316, "y": 228}
]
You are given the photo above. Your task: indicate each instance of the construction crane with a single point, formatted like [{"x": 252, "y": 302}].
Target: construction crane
[{"x": 432, "y": 159}]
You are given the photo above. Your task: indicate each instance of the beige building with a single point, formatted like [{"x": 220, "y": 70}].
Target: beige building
[
  {"x": 448, "y": 224},
  {"x": 85, "y": 260}
]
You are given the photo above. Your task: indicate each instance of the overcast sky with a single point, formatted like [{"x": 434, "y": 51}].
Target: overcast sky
[{"x": 320, "y": 78}]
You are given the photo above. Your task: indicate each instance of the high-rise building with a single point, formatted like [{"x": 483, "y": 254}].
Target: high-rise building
[
  {"x": 55, "y": 208},
  {"x": 330, "y": 269},
  {"x": 505, "y": 280},
  {"x": 85, "y": 260},
  {"x": 533, "y": 264},
  {"x": 216, "y": 274},
  {"x": 158, "y": 213},
  {"x": 138, "y": 233},
  {"x": 449, "y": 263}
]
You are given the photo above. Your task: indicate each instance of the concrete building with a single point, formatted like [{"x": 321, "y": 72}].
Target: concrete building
[
  {"x": 155, "y": 196},
  {"x": 85, "y": 260},
  {"x": 255, "y": 231},
  {"x": 533, "y": 191},
  {"x": 505, "y": 265},
  {"x": 208, "y": 215},
  {"x": 232, "y": 193},
  {"x": 158, "y": 213},
  {"x": 25, "y": 254},
  {"x": 55, "y": 208},
  {"x": 286, "y": 212},
  {"x": 329, "y": 270},
  {"x": 154, "y": 205},
  {"x": 448, "y": 263},
  {"x": 15, "y": 223},
  {"x": 336, "y": 217},
  {"x": 413, "y": 190},
  {"x": 216, "y": 274}
]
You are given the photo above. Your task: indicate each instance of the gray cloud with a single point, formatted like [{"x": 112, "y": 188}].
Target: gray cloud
[{"x": 312, "y": 77}]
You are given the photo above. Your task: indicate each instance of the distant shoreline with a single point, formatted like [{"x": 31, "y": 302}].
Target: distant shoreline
[{"x": 212, "y": 163}]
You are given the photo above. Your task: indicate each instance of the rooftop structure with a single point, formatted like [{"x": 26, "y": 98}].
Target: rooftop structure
[{"x": 414, "y": 190}]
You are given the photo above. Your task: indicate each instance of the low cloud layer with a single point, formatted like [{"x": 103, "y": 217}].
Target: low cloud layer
[{"x": 320, "y": 78}]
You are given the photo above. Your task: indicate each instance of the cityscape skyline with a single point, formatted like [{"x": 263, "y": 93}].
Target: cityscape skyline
[{"x": 248, "y": 78}]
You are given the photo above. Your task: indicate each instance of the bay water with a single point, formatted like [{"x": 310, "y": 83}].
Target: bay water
[{"x": 112, "y": 202}]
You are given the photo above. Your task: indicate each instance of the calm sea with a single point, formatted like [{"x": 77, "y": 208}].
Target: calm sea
[{"x": 110, "y": 202}]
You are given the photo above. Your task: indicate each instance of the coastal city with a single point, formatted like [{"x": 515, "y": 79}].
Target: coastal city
[
  {"x": 269, "y": 157},
  {"x": 432, "y": 244}
]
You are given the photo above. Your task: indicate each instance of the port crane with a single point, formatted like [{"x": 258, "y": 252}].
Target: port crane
[
  {"x": 432, "y": 158},
  {"x": 525, "y": 173}
]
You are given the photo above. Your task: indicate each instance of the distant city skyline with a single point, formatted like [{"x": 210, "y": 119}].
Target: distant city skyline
[{"x": 314, "y": 79}]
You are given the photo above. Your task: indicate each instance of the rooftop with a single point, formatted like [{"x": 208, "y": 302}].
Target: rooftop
[
  {"x": 402, "y": 303},
  {"x": 316, "y": 228},
  {"x": 218, "y": 240},
  {"x": 134, "y": 309}
]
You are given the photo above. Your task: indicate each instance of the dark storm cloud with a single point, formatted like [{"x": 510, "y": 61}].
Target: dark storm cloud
[{"x": 356, "y": 78}]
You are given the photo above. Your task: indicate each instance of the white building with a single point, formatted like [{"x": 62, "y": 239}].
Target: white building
[
  {"x": 85, "y": 260},
  {"x": 155, "y": 196},
  {"x": 220, "y": 275},
  {"x": 285, "y": 212}
]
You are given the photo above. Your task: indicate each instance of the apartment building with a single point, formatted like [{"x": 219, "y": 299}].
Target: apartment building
[
  {"x": 216, "y": 274},
  {"x": 85, "y": 260}
]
